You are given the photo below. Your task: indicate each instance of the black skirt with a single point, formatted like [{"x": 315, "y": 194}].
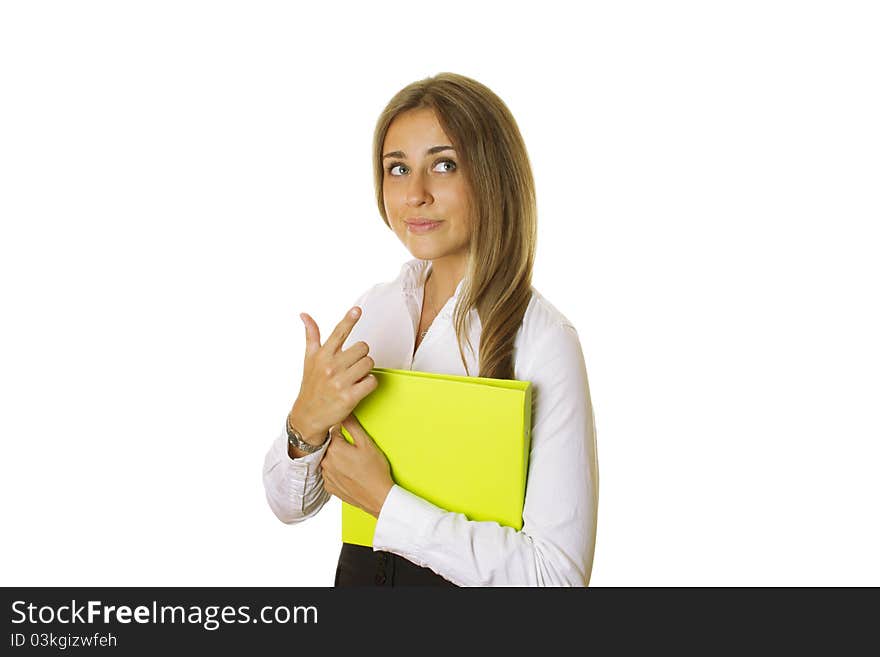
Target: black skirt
[{"x": 359, "y": 565}]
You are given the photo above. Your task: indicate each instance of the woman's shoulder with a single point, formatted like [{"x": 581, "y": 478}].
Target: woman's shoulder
[
  {"x": 542, "y": 317},
  {"x": 546, "y": 334}
]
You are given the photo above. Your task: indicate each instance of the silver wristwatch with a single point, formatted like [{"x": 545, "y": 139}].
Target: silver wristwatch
[{"x": 295, "y": 438}]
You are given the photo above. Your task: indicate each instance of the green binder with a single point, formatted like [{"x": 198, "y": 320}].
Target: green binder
[{"x": 459, "y": 442}]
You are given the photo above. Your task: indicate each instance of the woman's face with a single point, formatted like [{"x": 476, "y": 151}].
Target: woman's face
[{"x": 427, "y": 199}]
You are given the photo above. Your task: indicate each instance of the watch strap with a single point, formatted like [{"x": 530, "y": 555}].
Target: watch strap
[{"x": 295, "y": 439}]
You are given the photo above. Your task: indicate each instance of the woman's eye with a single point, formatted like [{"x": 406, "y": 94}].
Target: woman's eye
[{"x": 449, "y": 163}]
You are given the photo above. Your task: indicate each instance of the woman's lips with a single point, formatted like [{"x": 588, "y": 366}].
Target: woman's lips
[{"x": 421, "y": 227}]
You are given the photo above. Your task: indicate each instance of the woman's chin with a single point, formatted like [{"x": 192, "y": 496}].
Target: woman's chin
[
  {"x": 424, "y": 251},
  {"x": 431, "y": 247}
]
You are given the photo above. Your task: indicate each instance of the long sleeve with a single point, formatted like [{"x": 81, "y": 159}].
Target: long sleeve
[
  {"x": 294, "y": 487},
  {"x": 556, "y": 544}
]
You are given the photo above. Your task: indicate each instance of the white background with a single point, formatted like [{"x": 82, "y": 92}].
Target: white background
[{"x": 178, "y": 180}]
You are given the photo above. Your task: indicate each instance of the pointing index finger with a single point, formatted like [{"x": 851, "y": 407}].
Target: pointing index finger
[{"x": 342, "y": 330}]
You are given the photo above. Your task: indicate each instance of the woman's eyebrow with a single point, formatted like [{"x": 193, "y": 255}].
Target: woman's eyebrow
[{"x": 430, "y": 151}]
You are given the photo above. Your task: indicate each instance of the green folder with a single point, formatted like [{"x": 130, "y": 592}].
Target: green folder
[{"x": 459, "y": 442}]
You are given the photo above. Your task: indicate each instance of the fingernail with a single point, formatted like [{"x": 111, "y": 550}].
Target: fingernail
[{"x": 354, "y": 311}]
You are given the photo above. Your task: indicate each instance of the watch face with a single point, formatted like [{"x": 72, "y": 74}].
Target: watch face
[
  {"x": 300, "y": 444},
  {"x": 294, "y": 438}
]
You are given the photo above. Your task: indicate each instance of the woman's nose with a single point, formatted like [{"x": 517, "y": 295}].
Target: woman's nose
[{"x": 417, "y": 191}]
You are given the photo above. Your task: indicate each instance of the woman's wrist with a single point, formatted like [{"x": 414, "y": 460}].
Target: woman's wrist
[
  {"x": 377, "y": 509},
  {"x": 310, "y": 433}
]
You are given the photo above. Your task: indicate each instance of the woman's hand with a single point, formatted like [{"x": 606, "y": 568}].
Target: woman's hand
[
  {"x": 334, "y": 381},
  {"x": 358, "y": 474}
]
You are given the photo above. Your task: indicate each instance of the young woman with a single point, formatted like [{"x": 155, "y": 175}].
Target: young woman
[{"x": 453, "y": 182}]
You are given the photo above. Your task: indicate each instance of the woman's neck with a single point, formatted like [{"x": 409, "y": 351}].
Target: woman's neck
[{"x": 446, "y": 274}]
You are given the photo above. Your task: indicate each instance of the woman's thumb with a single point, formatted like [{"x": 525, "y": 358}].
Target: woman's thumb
[{"x": 313, "y": 334}]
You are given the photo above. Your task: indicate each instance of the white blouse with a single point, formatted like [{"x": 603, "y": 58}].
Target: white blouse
[{"x": 556, "y": 543}]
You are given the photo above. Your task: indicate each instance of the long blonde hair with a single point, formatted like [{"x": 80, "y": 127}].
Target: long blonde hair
[{"x": 504, "y": 221}]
